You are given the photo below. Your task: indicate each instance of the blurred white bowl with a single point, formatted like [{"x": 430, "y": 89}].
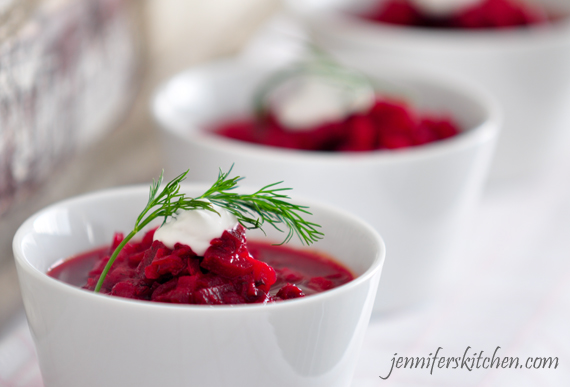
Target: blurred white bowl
[
  {"x": 527, "y": 69},
  {"x": 417, "y": 198},
  {"x": 91, "y": 340}
]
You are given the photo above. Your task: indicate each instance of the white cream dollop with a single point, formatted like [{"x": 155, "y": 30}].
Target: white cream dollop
[
  {"x": 196, "y": 228},
  {"x": 309, "y": 100},
  {"x": 443, "y": 7}
]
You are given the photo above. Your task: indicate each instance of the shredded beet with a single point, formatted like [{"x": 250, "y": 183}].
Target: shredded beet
[
  {"x": 227, "y": 273},
  {"x": 387, "y": 125},
  {"x": 484, "y": 14}
]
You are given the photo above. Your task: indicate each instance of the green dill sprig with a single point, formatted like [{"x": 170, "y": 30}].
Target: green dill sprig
[{"x": 267, "y": 205}]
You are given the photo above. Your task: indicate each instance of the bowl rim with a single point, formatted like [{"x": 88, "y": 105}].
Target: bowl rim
[
  {"x": 347, "y": 24},
  {"x": 487, "y": 130},
  {"x": 26, "y": 228}
]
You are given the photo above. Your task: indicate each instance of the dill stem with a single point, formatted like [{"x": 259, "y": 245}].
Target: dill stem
[{"x": 112, "y": 259}]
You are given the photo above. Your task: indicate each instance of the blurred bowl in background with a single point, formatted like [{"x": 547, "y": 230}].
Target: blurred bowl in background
[
  {"x": 418, "y": 198},
  {"x": 527, "y": 69}
]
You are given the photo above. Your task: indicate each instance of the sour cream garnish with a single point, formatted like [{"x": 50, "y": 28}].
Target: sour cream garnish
[
  {"x": 443, "y": 7},
  {"x": 306, "y": 101},
  {"x": 196, "y": 228}
]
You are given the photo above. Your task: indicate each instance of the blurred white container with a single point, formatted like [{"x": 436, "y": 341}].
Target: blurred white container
[
  {"x": 92, "y": 340},
  {"x": 527, "y": 69},
  {"x": 418, "y": 198},
  {"x": 69, "y": 71}
]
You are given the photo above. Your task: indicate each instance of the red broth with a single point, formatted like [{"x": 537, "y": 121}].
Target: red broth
[{"x": 232, "y": 271}]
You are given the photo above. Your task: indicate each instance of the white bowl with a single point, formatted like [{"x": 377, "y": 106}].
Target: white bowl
[
  {"x": 91, "y": 340},
  {"x": 417, "y": 198},
  {"x": 527, "y": 69}
]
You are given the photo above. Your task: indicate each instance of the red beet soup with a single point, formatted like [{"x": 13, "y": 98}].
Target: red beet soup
[
  {"x": 388, "y": 124},
  {"x": 485, "y": 14},
  {"x": 232, "y": 271}
]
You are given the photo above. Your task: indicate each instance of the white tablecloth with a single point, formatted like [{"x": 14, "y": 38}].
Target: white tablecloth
[{"x": 509, "y": 288}]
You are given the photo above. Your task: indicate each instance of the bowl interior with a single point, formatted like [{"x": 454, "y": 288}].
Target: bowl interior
[{"x": 84, "y": 223}]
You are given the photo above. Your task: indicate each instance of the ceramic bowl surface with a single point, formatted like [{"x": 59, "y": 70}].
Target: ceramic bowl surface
[{"x": 86, "y": 339}]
